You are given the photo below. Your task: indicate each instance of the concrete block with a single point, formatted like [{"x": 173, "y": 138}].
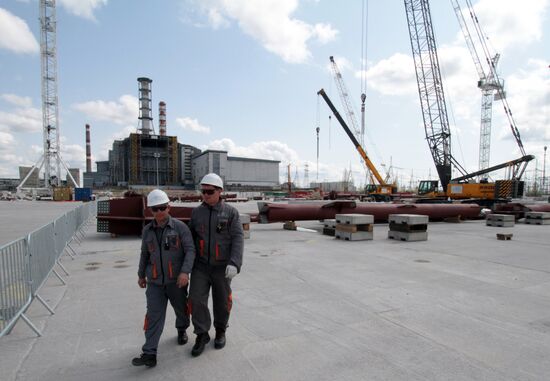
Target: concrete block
[
  {"x": 404, "y": 236},
  {"x": 354, "y": 219},
  {"x": 504, "y": 237},
  {"x": 500, "y": 224},
  {"x": 354, "y": 228},
  {"x": 245, "y": 218},
  {"x": 359, "y": 236},
  {"x": 409, "y": 219},
  {"x": 329, "y": 231},
  {"x": 501, "y": 217},
  {"x": 408, "y": 228},
  {"x": 538, "y": 215},
  {"x": 331, "y": 224},
  {"x": 537, "y": 221},
  {"x": 289, "y": 225}
]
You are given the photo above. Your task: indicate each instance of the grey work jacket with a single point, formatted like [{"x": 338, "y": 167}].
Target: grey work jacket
[
  {"x": 162, "y": 262},
  {"x": 218, "y": 235}
]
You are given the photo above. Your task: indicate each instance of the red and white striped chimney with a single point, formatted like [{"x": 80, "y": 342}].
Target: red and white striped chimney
[
  {"x": 162, "y": 118},
  {"x": 88, "y": 150}
]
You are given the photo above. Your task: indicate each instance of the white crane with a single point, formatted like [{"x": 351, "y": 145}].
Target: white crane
[
  {"x": 491, "y": 86},
  {"x": 51, "y": 157}
]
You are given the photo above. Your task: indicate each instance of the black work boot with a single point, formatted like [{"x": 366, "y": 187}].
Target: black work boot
[
  {"x": 145, "y": 359},
  {"x": 202, "y": 340},
  {"x": 219, "y": 341},
  {"x": 182, "y": 337}
]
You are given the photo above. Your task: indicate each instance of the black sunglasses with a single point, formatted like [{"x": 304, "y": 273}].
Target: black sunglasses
[
  {"x": 208, "y": 191},
  {"x": 159, "y": 208}
]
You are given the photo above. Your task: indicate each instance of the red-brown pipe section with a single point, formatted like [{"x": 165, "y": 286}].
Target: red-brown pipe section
[{"x": 271, "y": 212}]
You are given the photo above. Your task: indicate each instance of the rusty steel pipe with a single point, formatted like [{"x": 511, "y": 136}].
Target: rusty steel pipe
[{"x": 271, "y": 212}]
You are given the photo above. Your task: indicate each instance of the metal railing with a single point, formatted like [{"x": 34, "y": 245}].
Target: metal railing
[{"x": 26, "y": 264}]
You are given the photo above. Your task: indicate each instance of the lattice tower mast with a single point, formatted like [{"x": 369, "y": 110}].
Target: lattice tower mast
[
  {"x": 51, "y": 158},
  {"x": 50, "y": 113}
]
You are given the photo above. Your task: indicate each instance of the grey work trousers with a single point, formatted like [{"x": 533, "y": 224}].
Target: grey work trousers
[
  {"x": 202, "y": 279},
  {"x": 157, "y": 301}
]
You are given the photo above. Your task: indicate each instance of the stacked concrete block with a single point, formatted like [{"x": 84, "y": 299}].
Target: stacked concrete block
[
  {"x": 537, "y": 218},
  {"x": 501, "y": 220},
  {"x": 329, "y": 227},
  {"x": 289, "y": 225},
  {"x": 408, "y": 227},
  {"x": 245, "y": 220},
  {"x": 354, "y": 227}
]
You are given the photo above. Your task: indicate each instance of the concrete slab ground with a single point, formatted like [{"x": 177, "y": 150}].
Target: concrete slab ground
[
  {"x": 460, "y": 306},
  {"x": 22, "y": 217}
]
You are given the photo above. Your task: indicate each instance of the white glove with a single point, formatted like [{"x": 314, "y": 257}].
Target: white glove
[{"x": 230, "y": 271}]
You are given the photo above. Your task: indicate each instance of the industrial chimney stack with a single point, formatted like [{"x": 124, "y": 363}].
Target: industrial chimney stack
[
  {"x": 88, "y": 150},
  {"x": 162, "y": 118},
  {"x": 145, "y": 111}
]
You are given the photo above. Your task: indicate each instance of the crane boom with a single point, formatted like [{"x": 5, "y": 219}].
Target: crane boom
[
  {"x": 430, "y": 88},
  {"x": 352, "y": 137},
  {"x": 344, "y": 98}
]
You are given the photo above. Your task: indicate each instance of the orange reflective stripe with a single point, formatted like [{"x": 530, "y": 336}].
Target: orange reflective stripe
[
  {"x": 188, "y": 308},
  {"x": 229, "y": 302},
  {"x": 201, "y": 244},
  {"x": 146, "y": 323},
  {"x": 170, "y": 273},
  {"x": 217, "y": 252},
  {"x": 155, "y": 271}
]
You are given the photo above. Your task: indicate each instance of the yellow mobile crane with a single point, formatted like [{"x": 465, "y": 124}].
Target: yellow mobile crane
[{"x": 381, "y": 191}]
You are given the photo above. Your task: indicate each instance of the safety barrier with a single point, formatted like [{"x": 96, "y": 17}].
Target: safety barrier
[{"x": 27, "y": 263}]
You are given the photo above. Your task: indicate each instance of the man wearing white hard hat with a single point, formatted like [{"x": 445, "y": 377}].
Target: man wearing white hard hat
[
  {"x": 167, "y": 256},
  {"x": 218, "y": 235}
]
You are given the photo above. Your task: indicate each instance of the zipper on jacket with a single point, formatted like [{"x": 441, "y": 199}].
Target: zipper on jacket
[
  {"x": 209, "y": 232},
  {"x": 160, "y": 251}
]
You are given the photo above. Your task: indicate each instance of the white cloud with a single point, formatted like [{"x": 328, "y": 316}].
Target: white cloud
[
  {"x": 392, "y": 76},
  {"x": 269, "y": 150},
  {"x": 270, "y": 22},
  {"x": 15, "y": 34},
  {"x": 508, "y": 23},
  {"x": 17, "y": 100},
  {"x": 528, "y": 94},
  {"x": 24, "y": 118},
  {"x": 190, "y": 124},
  {"x": 6, "y": 140},
  {"x": 125, "y": 111},
  {"x": 83, "y": 8}
]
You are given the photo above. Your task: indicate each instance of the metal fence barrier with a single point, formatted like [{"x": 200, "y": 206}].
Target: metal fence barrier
[{"x": 27, "y": 263}]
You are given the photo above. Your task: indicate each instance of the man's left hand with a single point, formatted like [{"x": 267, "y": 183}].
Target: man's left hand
[
  {"x": 183, "y": 279},
  {"x": 230, "y": 271}
]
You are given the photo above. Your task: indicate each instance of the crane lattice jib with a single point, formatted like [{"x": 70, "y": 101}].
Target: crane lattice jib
[
  {"x": 468, "y": 38},
  {"x": 430, "y": 87},
  {"x": 344, "y": 98}
]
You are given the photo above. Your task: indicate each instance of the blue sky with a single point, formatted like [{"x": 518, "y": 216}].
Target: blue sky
[{"x": 243, "y": 75}]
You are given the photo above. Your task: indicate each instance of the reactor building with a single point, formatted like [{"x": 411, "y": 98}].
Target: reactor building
[{"x": 147, "y": 159}]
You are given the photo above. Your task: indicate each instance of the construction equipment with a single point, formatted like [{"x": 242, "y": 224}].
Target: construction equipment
[
  {"x": 436, "y": 123},
  {"x": 488, "y": 82},
  {"x": 381, "y": 191}
]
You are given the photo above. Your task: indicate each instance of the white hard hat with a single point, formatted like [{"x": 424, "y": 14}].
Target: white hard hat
[
  {"x": 212, "y": 179},
  {"x": 157, "y": 197}
]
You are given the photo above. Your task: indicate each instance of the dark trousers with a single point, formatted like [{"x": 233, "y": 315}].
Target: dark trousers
[
  {"x": 157, "y": 301},
  {"x": 202, "y": 279}
]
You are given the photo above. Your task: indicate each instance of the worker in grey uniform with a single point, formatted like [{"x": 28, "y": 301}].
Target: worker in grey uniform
[
  {"x": 167, "y": 256},
  {"x": 218, "y": 235}
]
